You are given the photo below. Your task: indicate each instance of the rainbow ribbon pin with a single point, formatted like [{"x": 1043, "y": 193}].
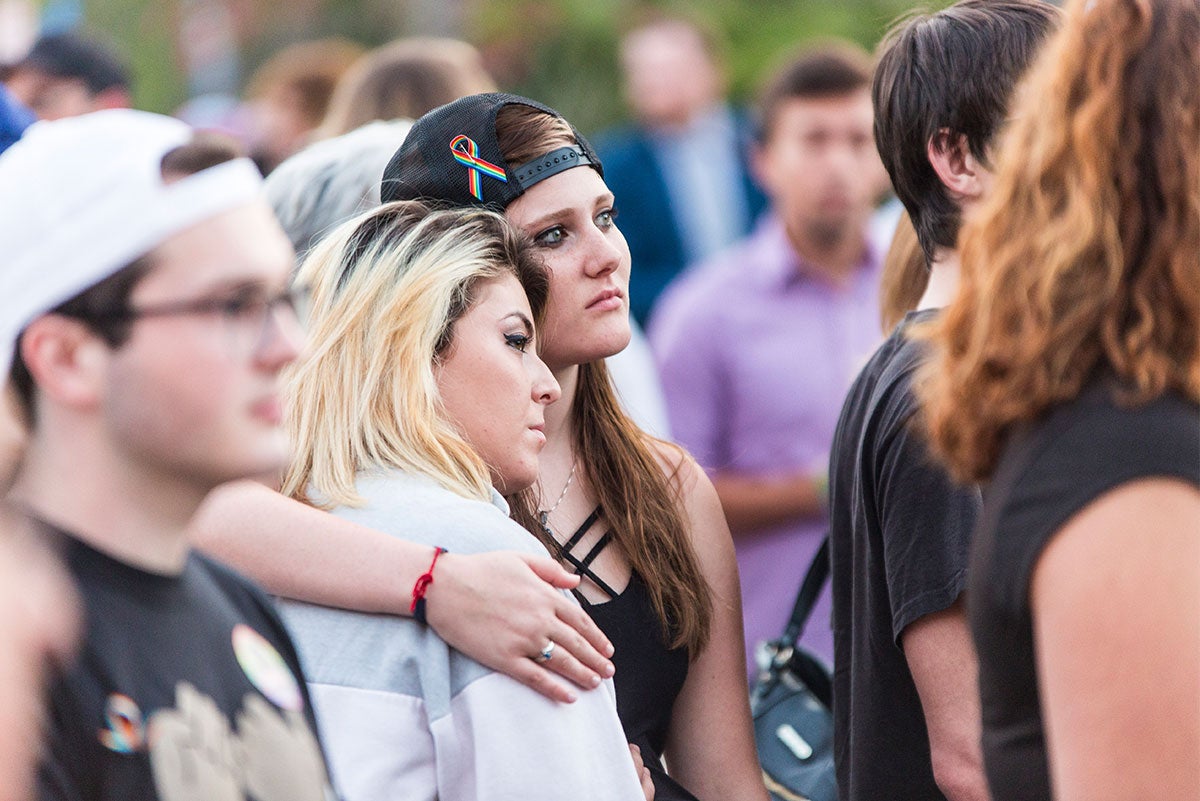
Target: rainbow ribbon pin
[{"x": 466, "y": 153}]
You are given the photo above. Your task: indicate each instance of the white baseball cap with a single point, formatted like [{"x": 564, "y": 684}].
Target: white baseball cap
[{"x": 82, "y": 197}]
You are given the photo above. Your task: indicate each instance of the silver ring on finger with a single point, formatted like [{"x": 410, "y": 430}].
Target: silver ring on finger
[{"x": 545, "y": 654}]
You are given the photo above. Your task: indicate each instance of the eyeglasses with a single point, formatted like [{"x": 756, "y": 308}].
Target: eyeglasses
[{"x": 246, "y": 313}]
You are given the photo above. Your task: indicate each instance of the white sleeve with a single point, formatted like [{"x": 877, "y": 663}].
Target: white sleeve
[
  {"x": 377, "y": 743},
  {"x": 502, "y": 741}
]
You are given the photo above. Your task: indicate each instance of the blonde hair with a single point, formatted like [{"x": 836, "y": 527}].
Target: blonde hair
[
  {"x": 387, "y": 288},
  {"x": 1086, "y": 258}
]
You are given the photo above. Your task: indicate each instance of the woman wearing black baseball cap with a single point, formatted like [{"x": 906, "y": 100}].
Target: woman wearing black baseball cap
[{"x": 634, "y": 516}]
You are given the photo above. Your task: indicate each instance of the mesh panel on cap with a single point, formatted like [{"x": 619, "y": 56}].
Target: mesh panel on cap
[{"x": 425, "y": 167}]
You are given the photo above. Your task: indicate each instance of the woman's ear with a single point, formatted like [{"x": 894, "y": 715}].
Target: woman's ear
[
  {"x": 963, "y": 175},
  {"x": 67, "y": 360}
]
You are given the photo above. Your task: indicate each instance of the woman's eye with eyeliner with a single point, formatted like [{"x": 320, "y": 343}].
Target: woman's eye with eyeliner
[
  {"x": 607, "y": 218},
  {"x": 551, "y": 237},
  {"x": 518, "y": 341}
]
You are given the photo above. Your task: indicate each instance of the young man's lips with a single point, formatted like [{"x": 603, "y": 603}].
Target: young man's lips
[{"x": 269, "y": 410}]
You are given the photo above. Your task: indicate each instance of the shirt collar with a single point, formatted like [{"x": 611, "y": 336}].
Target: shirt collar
[
  {"x": 499, "y": 502},
  {"x": 779, "y": 263}
]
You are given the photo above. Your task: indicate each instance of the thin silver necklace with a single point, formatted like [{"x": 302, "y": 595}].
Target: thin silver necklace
[{"x": 544, "y": 514}]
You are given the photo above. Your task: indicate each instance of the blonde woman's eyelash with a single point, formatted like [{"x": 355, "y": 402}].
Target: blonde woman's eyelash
[{"x": 518, "y": 341}]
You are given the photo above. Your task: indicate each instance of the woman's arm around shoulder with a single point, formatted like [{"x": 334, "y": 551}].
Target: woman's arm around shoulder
[
  {"x": 710, "y": 745},
  {"x": 1116, "y": 614},
  {"x": 498, "y": 608}
]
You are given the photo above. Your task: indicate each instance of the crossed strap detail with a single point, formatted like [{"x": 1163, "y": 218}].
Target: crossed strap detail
[{"x": 583, "y": 566}]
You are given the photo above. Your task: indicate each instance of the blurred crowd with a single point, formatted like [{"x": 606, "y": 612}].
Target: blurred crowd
[{"x": 787, "y": 256}]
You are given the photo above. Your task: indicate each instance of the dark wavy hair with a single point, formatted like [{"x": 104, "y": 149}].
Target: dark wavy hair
[{"x": 952, "y": 71}]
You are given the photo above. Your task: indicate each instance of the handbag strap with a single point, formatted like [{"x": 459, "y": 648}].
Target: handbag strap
[{"x": 810, "y": 588}]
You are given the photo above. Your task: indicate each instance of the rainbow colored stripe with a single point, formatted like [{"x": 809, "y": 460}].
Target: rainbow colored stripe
[
  {"x": 466, "y": 153},
  {"x": 125, "y": 733}
]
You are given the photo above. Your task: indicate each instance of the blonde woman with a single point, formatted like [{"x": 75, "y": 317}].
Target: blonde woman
[
  {"x": 420, "y": 403},
  {"x": 1067, "y": 373}
]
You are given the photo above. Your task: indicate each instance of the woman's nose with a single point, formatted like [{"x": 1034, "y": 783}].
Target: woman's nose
[{"x": 545, "y": 386}]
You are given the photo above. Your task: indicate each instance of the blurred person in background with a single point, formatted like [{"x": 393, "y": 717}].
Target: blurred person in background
[
  {"x": 680, "y": 171},
  {"x": 145, "y": 318},
  {"x": 38, "y": 627},
  {"x": 403, "y": 80},
  {"x": 14, "y": 119},
  {"x": 68, "y": 74},
  {"x": 38, "y": 607},
  {"x": 332, "y": 180},
  {"x": 795, "y": 305},
  {"x": 905, "y": 682},
  {"x": 1066, "y": 373},
  {"x": 289, "y": 96}
]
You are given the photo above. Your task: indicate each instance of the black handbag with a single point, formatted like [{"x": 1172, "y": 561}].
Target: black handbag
[{"x": 792, "y": 706}]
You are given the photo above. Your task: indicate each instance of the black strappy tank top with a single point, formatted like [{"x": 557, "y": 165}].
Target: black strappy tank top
[{"x": 649, "y": 674}]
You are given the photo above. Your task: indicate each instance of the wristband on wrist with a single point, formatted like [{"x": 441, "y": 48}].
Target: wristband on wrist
[{"x": 418, "y": 593}]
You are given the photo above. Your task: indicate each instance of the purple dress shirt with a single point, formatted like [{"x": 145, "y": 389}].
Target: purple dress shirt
[{"x": 756, "y": 353}]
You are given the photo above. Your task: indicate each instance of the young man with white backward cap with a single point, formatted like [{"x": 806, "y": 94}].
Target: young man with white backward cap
[{"x": 144, "y": 319}]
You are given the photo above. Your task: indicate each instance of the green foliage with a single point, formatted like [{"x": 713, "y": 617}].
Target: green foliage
[
  {"x": 563, "y": 52},
  {"x": 143, "y": 31}
]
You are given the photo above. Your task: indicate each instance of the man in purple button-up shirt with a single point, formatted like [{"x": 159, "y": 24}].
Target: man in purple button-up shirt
[{"x": 758, "y": 347}]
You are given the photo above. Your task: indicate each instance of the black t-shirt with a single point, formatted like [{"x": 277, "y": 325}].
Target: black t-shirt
[
  {"x": 899, "y": 542},
  {"x": 1046, "y": 474},
  {"x": 185, "y": 687}
]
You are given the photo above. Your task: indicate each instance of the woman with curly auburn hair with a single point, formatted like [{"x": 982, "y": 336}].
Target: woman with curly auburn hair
[{"x": 1067, "y": 372}]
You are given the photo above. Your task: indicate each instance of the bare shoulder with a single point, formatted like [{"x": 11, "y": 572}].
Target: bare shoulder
[
  {"x": 1134, "y": 526},
  {"x": 698, "y": 500},
  {"x": 681, "y": 470},
  {"x": 1116, "y": 592},
  {"x": 1127, "y": 557}
]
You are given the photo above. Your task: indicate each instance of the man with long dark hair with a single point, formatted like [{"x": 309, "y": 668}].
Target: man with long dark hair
[{"x": 906, "y": 709}]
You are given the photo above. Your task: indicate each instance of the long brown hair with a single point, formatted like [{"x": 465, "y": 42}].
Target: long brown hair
[
  {"x": 642, "y": 504},
  {"x": 1086, "y": 257}
]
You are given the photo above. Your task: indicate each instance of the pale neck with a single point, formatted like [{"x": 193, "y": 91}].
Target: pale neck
[
  {"x": 134, "y": 515},
  {"x": 943, "y": 280},
  {"x": 558, "y": 456}
]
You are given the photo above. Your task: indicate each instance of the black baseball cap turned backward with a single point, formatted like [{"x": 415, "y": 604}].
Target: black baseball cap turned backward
[{"x": 451, "y": 156}]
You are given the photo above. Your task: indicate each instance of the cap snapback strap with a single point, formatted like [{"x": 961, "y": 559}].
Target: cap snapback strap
[{"x": 554, "y": 162}]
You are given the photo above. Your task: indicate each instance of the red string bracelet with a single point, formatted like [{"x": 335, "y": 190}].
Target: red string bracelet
[{"x": 418, "y": 593}]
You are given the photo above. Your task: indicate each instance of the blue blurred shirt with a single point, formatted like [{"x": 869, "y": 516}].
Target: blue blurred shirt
[{"x": 14, "y": 119}]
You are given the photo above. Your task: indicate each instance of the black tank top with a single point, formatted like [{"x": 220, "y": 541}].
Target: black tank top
[
  {"x": 649, "y": 674},
  {"x": 1046, "y": 474}
]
